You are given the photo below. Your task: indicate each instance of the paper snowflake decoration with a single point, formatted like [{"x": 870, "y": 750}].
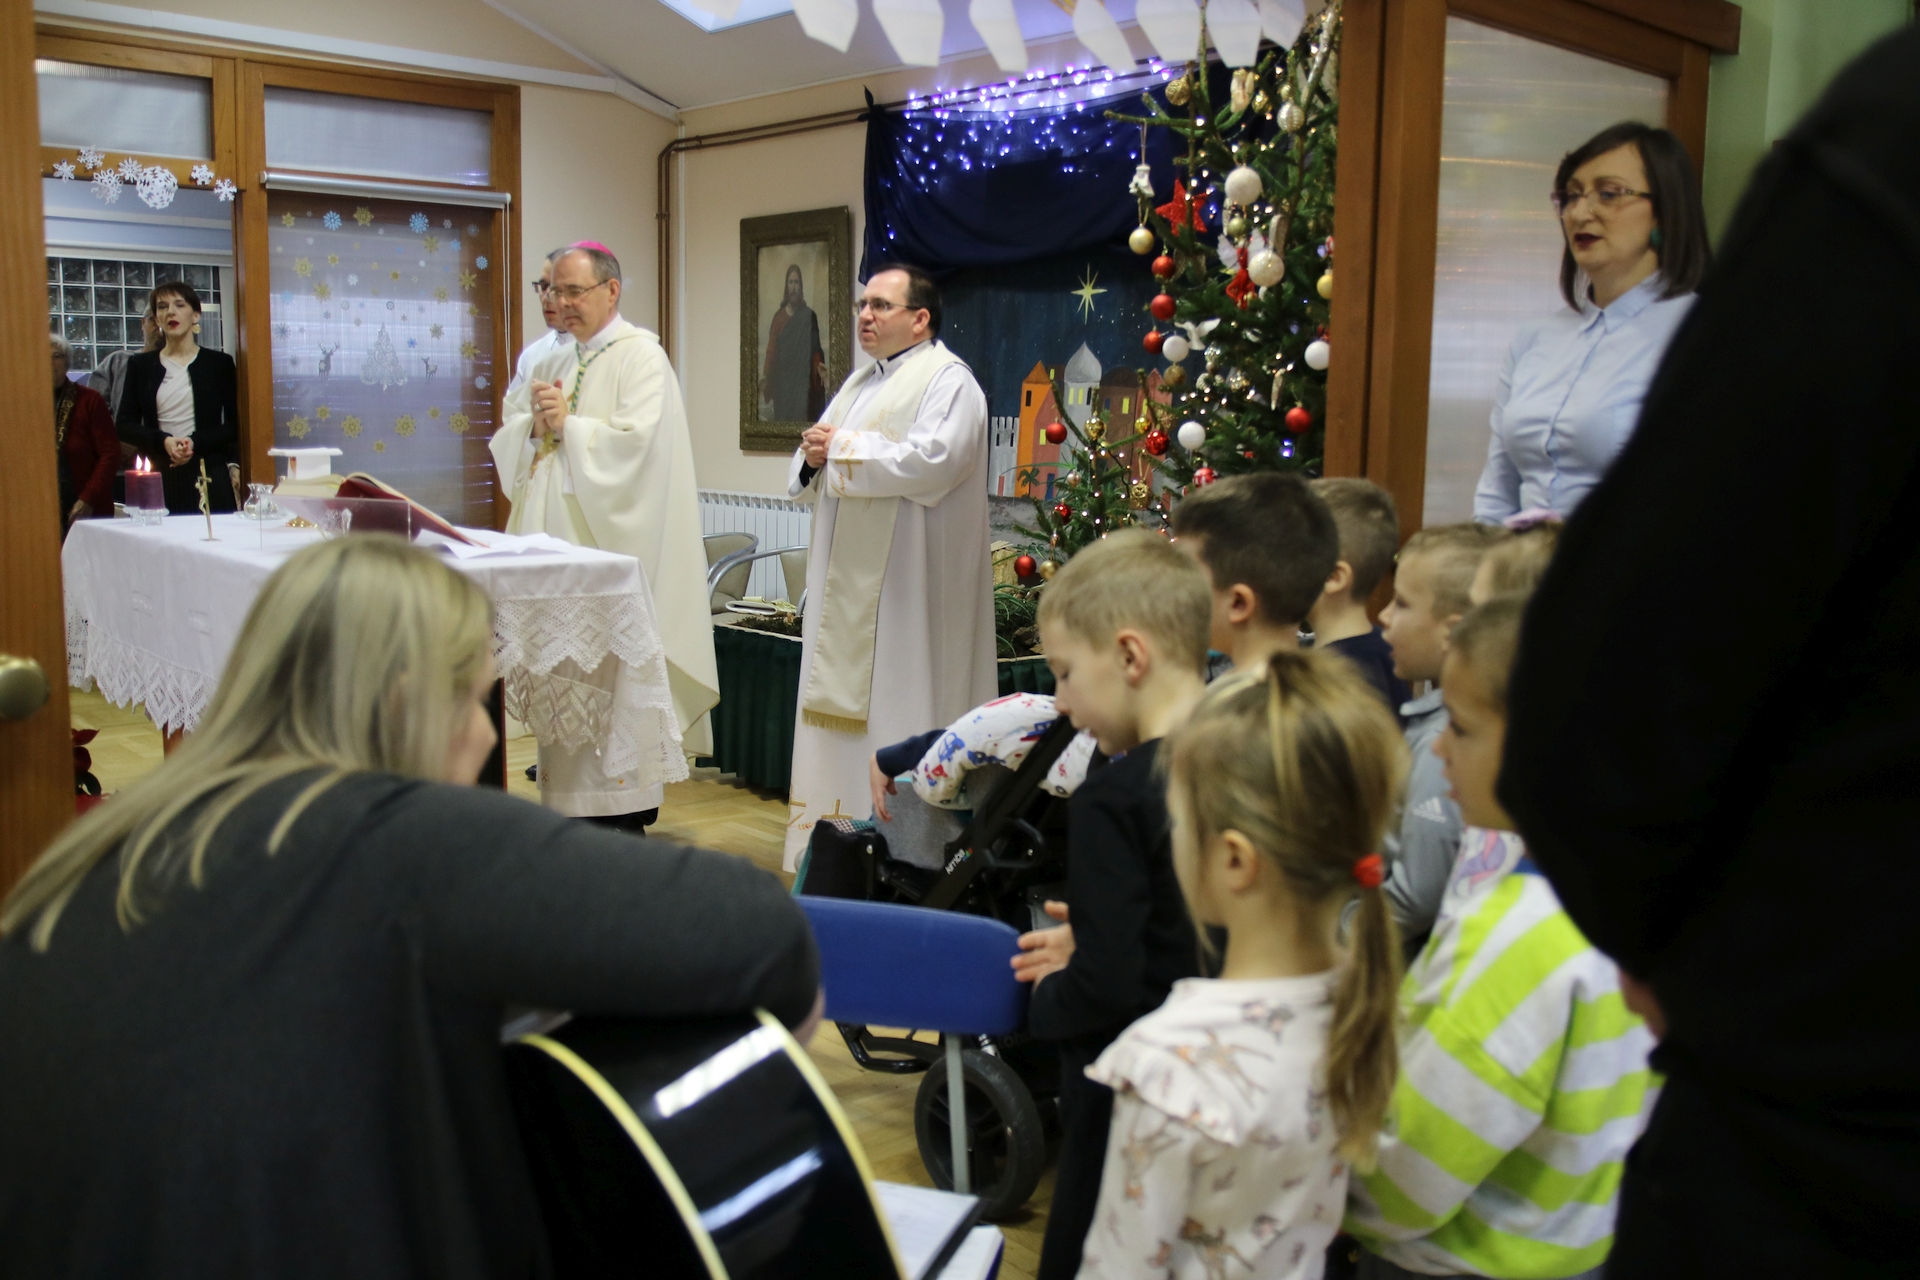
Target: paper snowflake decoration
[
  {"x": 130, "y": 170},
  {"x": 459, "y": 423},
  {"x": 417, "y": 223},
  {"x": 403, "y": 425},
  {"x": 480, "y": 263},
  {"x": 106, "y": 186},
  {"x": 332, "y": 221},
  {"x": 202, "y": 175},
  {"x": 157, "y": 186},
  {"x": 92, "y": 157},
  {"x": 224, "y": 189},
  {"x": 63, "y": 169}
]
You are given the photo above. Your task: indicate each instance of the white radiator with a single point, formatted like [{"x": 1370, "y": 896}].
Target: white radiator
[{"x": 777, "y": 522}]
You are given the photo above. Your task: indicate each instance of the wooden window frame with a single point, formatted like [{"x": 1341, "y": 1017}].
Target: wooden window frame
[
  {"x": 1387, "y": 182},
  {"x": 240, "y": 80}
]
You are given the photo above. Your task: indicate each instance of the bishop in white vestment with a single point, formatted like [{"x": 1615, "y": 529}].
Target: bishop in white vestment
[
  {"x": 898, "y": 635},
  {"x": 594, "y": 449}
]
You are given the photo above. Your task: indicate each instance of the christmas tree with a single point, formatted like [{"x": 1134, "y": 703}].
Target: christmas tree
[
  {"x": 383, "y": 364},
  {"x": 1244, "y": 250}
]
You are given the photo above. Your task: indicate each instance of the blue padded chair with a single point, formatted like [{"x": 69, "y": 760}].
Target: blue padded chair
[{"x": 896, "y": 966}]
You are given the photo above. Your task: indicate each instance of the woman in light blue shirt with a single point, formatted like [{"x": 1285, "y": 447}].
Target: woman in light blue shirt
[{"x": 1636, "y": 247}]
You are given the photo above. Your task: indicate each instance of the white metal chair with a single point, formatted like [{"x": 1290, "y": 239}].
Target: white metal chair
[
  {"x": 726, "y": 571},
  {"x": 793, "y": 568}
]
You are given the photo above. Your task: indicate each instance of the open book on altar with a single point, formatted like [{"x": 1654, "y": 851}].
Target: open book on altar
[{"x": 377, "y": 507}]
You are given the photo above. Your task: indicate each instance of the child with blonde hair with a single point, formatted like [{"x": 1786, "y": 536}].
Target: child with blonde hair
[
  {"x": 1524, "y": 1077},
  {"x": 1515, "y": 564},
  {"x": 1241, "y": 1102}
]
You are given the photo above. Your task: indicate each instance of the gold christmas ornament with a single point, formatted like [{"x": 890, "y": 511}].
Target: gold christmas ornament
[
  {"x": 1174, "y": 376},
  {"x": 1048, "y": 568},
  {"x": 1139, "y": 494},
  {"x": 1179, "y": 90},
  {"x": 1141, "y": 241},
  {"x": 1291, "y": 118},
  {"x": 1095, "y": 430},
  {"x": 1236, "y": 228},
  {"x": 1324, "y": 286},
  {"x": 1262, "y": 102}
]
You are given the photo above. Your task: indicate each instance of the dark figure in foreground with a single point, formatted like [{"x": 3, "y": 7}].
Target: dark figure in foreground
[{"x": 1731, "y": 811}]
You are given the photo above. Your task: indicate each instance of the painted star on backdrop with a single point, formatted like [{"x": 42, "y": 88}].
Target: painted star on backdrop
[{"x": 1085, "y": 293}]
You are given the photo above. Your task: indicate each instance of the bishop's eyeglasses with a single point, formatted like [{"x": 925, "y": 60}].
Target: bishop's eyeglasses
[{"x": 566, "y": 293}]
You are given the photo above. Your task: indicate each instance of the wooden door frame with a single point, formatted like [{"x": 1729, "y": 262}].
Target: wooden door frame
[{"x": 1387, "y": 183}]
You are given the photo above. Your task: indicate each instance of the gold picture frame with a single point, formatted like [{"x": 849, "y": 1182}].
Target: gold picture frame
[{"x": 795, "y": 351}]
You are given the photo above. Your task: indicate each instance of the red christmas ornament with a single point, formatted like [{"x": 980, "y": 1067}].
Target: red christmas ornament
[
  {"x": 1164, "y": 266},
  {"x": 1241, "y": 287},
  {"x": 1023, "y": 566},
  {"x": 1062, "y": 511},
  {"x": 1298, "y": 419},
  {"x": 1153, "y": 342},
  {"x": 1204, "y": 475},
  {"x": 1056, "y": 432},
  {"x": 1156, "y": 443},
  {"x": 1181, "y": 211},
  {"x": 1161, "y": 306}
]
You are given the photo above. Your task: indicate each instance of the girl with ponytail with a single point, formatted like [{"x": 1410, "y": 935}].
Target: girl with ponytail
[{"x": 1241, "y": 1102}]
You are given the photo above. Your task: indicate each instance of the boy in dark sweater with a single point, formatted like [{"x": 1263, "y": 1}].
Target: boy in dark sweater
[
  {"x": 1369, "y": 535},
  {"x": 1124, "y": 626}
]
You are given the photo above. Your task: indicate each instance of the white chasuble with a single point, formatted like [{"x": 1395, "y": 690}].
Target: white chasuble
[
  {"x": 909, "y": 456},
  {"x": 621, "y": 480}
]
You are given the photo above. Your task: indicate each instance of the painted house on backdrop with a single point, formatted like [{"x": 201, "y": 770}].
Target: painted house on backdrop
[{"x": 1037, "y": 412}]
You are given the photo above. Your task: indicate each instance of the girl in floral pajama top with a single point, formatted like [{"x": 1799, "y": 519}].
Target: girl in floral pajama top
[{"x": 1240, "y": 1103}]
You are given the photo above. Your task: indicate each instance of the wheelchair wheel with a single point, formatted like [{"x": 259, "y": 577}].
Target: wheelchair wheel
[{"x": 1006, "y": 1145}]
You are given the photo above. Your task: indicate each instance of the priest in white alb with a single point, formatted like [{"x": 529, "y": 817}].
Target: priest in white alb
[
  {"x": 594, "y": 449},
  {"x": 898, "y": 635}
]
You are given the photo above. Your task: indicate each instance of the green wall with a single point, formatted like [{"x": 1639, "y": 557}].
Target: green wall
[{"x": 1789, "y": 50}]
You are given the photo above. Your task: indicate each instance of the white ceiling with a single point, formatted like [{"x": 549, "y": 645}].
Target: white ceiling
[{"x": 649, "y": 44}]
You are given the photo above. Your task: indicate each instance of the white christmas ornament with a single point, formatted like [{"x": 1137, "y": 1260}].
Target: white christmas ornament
[
  {"x": 831, "y": 22},
  {"x": 1172, "y": 25},
  {"x": 1266, "y": 268},
  {"x": 157, "y": 186},
  {"x": 1191, "y": 436},
  {"x": 1095, "y": 28},
  {"x": 1000, "y": 28},
  {"x": 1281, "y": 20},
  {"x": 1235, "y": 26},
  {"x": 913, "y": 28},
  {"x": 1319, "y": 354},
  {"x": 1175, "y": 348},
  {"x": 1244, "y": 186}
]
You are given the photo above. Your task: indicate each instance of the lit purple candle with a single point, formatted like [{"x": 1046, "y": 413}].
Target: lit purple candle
[{"x": 144, "y": 489}]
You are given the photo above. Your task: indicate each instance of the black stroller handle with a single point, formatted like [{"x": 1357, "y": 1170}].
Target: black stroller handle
[{"x": 1003, "y": 814}]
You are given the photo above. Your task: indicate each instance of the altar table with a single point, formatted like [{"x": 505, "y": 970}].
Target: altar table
[{"x": 153, "y": 612}]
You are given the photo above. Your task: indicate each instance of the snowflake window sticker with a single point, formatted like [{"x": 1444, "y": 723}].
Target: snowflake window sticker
[
  {"x": 224, "y": 189},
  {"x": 454, "y": 245},
  {"x": 202, "y": 175},
  {"x": 352, "y": 278},
  {"x": 130, "y": 170},
  {"x": 63, "y": 169},
  {"x": 91, "y": 157},
  {"x": 417, "y": 223},
  {"x": 106, "y": 185},
  {"x": 331, "y": 221},
  {"x": 480, "y": 263}
]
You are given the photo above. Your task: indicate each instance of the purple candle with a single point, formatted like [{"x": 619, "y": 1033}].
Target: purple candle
[{"x": 144, "y": 489}]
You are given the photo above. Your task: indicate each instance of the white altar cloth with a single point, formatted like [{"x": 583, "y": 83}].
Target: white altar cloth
[{"x": 153, "y": 612}]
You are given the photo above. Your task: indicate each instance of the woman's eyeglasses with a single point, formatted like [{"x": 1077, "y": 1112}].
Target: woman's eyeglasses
[{"x": 1606, "y": 197}]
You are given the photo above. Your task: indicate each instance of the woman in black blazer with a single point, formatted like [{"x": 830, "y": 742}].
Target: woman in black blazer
[{"x": 181, "y": 404}]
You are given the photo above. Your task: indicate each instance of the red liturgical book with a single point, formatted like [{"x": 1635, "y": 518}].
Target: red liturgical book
[{"x": 362, "y": 485}]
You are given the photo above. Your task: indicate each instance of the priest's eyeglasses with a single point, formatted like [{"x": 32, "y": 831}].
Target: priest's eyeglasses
[
  {"x": 880, "y": 306},
  {"x": 1606, "y": 197},
  {"x": 566, "y": 293}
]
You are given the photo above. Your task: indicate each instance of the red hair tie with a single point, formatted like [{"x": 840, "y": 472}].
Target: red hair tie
[{"x": 1370, "y": 871}]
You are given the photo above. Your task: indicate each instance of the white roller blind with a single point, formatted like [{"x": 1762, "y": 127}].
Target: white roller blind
[
  {"x": 377, "y": 138},
  {"x": 137, "y": 112}
]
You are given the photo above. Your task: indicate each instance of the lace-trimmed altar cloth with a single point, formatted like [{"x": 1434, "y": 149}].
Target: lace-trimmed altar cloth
[{"x": 152, "y": 614}]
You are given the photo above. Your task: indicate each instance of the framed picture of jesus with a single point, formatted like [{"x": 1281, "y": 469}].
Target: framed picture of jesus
[{"x": 796, "y": 322}]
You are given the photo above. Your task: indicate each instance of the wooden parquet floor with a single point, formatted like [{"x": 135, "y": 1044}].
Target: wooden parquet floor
[{"x": 716, "y": 811}]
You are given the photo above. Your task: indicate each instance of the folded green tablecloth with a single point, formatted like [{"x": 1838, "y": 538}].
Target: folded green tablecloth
[{"x": 760, "y": 691}]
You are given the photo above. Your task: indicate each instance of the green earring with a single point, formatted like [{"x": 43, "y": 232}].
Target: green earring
[{"x": 1653, "y": 238}]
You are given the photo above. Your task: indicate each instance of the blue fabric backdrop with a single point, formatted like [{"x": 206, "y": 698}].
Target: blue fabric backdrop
[{"x": 947, "y": 189}]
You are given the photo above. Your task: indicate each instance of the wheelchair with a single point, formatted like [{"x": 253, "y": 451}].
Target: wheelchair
[{"x": 1004, "y": 860}]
